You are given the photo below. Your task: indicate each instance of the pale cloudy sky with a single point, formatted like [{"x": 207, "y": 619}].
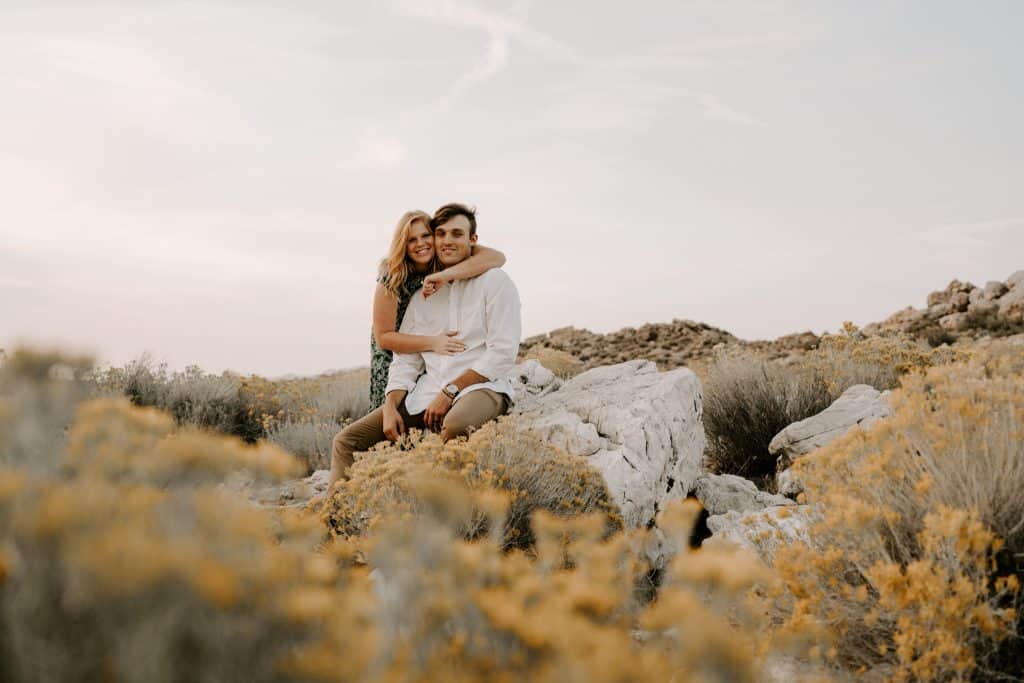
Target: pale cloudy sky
[{"x": 215, "y": 181}]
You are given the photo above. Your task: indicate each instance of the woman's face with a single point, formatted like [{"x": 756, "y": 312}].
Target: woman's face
[{"x": 420, "y": 247}]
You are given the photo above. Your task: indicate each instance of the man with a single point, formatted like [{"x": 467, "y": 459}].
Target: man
[{"x": 449, "y": 394}]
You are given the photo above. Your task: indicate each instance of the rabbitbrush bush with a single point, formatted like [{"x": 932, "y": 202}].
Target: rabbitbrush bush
[
  {"x": 914, "y": 568},
  {"x": 124, "y": 557},
  {"x": 535, "y": 474}
]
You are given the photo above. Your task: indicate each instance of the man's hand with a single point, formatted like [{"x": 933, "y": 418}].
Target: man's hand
[
  {"x": 394, "y": 427},
  {"x": 438, "y": 408},
  {"x": 433, "y": 283}
]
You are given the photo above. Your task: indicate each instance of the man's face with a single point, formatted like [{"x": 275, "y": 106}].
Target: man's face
[{"x": 453, "y": 242}]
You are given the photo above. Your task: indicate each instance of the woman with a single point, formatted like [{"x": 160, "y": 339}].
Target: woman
[{"x": 410, "y": 264}]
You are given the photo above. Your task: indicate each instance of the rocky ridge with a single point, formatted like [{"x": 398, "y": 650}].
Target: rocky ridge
[
  {"x": 668, "y": 345},
  {"x": 960, "y": 311}
]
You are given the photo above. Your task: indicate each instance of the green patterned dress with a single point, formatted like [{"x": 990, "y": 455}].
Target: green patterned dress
[{"x": 380, "y": 359}]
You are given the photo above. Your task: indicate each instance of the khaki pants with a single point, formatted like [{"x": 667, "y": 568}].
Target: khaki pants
[{"x": 468, "y": 413}]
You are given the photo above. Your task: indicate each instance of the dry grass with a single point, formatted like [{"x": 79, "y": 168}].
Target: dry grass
[{"x": 561, "y": 363}]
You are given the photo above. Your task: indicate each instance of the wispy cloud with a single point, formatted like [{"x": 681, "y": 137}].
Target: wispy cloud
[
  {"x": 503, "y": 30},
  {"x": 715, "y": 109},
  {"x": 383, "y": 150},
  {"x": 976, "y": 234}
]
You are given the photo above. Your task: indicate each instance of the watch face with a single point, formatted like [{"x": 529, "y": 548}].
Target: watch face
[{"x": 452, "y": 389}]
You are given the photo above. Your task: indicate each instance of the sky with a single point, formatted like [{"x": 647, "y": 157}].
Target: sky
[{"x": 215, "y": 182}]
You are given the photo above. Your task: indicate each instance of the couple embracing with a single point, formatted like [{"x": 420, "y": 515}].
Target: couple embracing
[{"x": 446, "y": 331}]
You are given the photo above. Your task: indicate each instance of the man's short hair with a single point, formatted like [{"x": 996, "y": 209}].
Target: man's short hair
[{"x": 450, "y": 211}]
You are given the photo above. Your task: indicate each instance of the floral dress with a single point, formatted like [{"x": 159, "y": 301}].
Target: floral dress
[{"x": 380, "y": 359}]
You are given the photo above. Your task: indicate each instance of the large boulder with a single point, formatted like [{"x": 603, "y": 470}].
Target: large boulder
[
  {"x": 994, "y": 289},
  {"x": 1011, "y": 305},
  {"x": 639, "y": 427},
  {"x": 722, "y": 493},
  {"x": 859, "y": 405}
]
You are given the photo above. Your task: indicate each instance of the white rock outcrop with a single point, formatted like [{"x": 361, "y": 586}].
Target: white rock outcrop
[
  {"x": 639, "y": 427},
  {"x": 859, "y": 405},
  {"x": 722, "y": 493},
  {"x": 762, "y": 531}
]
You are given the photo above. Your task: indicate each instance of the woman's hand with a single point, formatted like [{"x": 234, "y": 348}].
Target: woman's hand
[
  {"x": 433, "y": 283},
  {"x": 447, "y": 344}
]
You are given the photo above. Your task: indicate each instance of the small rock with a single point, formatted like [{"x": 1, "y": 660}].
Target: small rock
[
  {"x": 787, "y": 483},
  {"x": 533, "y": 379},
  {"x": 720, "y": 493},
  {"x": 959, "y": 301}
]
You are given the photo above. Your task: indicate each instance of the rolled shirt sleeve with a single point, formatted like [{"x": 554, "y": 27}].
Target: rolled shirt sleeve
[
  {"x": 405, "y": 367},
  {"x": 504, "y": 330}
]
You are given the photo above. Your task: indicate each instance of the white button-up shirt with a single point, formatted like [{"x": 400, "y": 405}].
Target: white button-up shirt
[{"x": 485, "y": 311}]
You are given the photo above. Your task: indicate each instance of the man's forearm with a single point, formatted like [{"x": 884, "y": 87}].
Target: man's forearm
[
  {"x": 469, "y": 378},
  {"x": 395, "y": 397}
]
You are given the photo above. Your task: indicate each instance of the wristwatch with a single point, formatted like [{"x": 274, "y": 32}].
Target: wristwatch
[{"x": 451, "y": 390}]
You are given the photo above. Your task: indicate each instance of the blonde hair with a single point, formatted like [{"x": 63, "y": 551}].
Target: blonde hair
[{"x": 394, "y": 268}]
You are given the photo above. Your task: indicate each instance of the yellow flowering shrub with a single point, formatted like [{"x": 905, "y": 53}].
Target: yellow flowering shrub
[
  {"x": 498, "y": 456},
  {"x": 849, "y": 358},
  {"x": 913, "y": 571}
]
